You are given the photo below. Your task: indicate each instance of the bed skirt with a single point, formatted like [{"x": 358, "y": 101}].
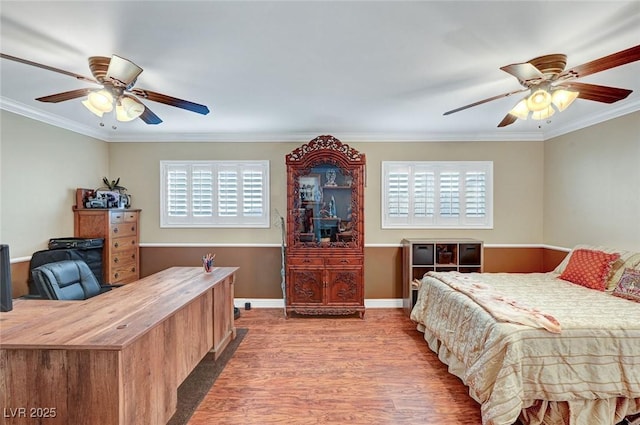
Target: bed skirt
[{"x": 544, "y": 412}]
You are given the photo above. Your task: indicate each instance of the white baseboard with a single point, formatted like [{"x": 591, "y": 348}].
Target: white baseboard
[{"x": 279, "y": 302}]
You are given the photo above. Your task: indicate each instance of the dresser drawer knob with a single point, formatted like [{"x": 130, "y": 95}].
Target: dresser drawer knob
[{"x": 116, "y": 244}]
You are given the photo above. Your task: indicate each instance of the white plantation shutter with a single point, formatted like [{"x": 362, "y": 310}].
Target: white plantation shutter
[
  {"x": 202, "y": 191},
  {"x": 176, "y": 192},
  {"x": 252, "y": 189},
  {"x": 449, "y": 194},
  {"x": 214, "y": 194},
  {"x": 437, "y": 194},
  {"x": 398, "y": 194},
  {"x": 228, "y": 193},
  {"x": 424, "y": 194},
  {"x": 475, "y": 194}
]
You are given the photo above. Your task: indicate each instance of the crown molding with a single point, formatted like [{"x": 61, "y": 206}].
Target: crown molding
[
  {"x": 494, "y": 136},
  {"x": 613, "y": 111},
  {"x": 52, "y": 119}
]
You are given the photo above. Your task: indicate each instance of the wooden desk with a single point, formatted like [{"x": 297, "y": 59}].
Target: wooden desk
[{"x": 115, "y": 359}]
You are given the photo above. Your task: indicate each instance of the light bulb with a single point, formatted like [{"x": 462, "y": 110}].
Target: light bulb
[
  {"x": 543, "y": 113},
  {"x": 101, "y": 100},
  {"x": 539, "y": 100},
  {"x": 520, "y": 110},
  {"x": 90, "y": 107},
  {"x": 127, "y": 109},
  {"x": 563, "y": 98}
]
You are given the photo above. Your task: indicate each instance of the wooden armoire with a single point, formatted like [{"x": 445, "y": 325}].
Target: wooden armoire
[{"x": 325, "y": 229}]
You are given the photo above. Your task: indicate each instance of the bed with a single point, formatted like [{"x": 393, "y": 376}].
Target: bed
[{"x": 550, "y": 351}]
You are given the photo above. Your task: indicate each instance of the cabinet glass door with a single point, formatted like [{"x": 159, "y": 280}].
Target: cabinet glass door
[{"x": 323, "y": 207}]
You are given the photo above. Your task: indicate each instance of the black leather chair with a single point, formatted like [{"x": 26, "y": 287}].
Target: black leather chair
[{"x": 67, "y": 280}]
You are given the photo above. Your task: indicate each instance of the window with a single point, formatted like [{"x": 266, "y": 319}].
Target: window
[
  {"x": 437, "y": 194},
  {"x": 214, "y": 194}
]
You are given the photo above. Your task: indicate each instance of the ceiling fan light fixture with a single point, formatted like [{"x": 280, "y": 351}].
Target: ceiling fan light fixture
[
  {"x": 128, "y": 109},
  {"x": 101, "y": 100},
  {"x": 539, "y": 100},
  {"x": 521, "y": 110},
  {"x": 543, "y": 114},
  {"x": 562, "y": 98},
  {"x": 90, "y": 107}
]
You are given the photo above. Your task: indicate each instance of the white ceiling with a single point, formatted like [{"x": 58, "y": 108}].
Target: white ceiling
[{"x": 292, "y": 70}]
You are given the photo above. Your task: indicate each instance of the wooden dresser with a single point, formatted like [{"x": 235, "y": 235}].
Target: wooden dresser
[{"x": 120, "y": 230}]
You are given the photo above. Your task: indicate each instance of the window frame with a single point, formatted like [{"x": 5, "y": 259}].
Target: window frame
[
  {"x": 214, "y": 220},
  {"x": 436, "y": 221}
]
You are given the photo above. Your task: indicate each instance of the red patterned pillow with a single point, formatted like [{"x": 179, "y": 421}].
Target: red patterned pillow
[
  {"x": 589, "y": 268},
  {"x": 629, "y": 285}
]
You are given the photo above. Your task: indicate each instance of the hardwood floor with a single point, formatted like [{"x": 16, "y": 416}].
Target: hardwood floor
[{"x": 335, "y": 370}]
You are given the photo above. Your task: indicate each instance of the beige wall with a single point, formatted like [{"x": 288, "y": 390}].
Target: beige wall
[
  {"x": 536, "y": 183},
  {"x": 42, "y": 166},
  {"x": 517, "y": 169},
  {"x": 592, "y": 186},
  {"x": 518, "y": 177},
  {"x": 541, "y": 196}
]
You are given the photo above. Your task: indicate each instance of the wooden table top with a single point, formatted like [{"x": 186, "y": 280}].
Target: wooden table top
[{"x": 109, "y": 321}]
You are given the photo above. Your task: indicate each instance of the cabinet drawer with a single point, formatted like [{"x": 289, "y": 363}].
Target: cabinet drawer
[
  {"x": 343, "y": 261},
  {"x": 124, "y": 244},
  {"x": 123, "y": 216},
  {"x": 307, "y": 261},
  {"x": 130, "y": 216},
  {"x": 123, "y": 258},
  {"x": 124, "y": 229},
  {"x": 123, "y": 274},
  {"x": 116, "y": 217}
]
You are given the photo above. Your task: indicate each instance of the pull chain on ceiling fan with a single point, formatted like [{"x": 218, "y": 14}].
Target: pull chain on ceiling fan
[
  {"x": 552, "y": 89},
  {"x": 116, "y": 76}
]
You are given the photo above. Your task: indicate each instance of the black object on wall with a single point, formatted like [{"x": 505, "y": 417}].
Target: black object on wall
[{"x": 6, "y": 300}]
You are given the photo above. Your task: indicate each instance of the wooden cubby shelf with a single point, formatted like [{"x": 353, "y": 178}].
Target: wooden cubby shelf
[{"x": 420, "y": 256}]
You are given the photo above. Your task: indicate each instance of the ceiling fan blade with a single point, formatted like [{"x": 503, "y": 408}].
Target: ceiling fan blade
[
  {"x": 68, "y": 95},
  {"x": 480, "y": 102},
  {"x": 524, "y": 72},
  {"x": 507, "y": 120},
  {"x": 48, "y": 68},
  {"x": 607, "y": 62},
  {"x": 123, "y": 70},
  {"x": 597, "y": 93},
  {"x": 172, "y": 101},
  {"x": 149, "y": 117}
]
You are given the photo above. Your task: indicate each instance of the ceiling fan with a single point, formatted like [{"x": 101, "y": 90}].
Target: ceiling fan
[
  {"x": 116, "y": 76},
  {"x": 552, "y": 88}
]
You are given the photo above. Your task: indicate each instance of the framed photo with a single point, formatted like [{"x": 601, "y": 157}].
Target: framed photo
[{"x": 310, "y": 188}]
